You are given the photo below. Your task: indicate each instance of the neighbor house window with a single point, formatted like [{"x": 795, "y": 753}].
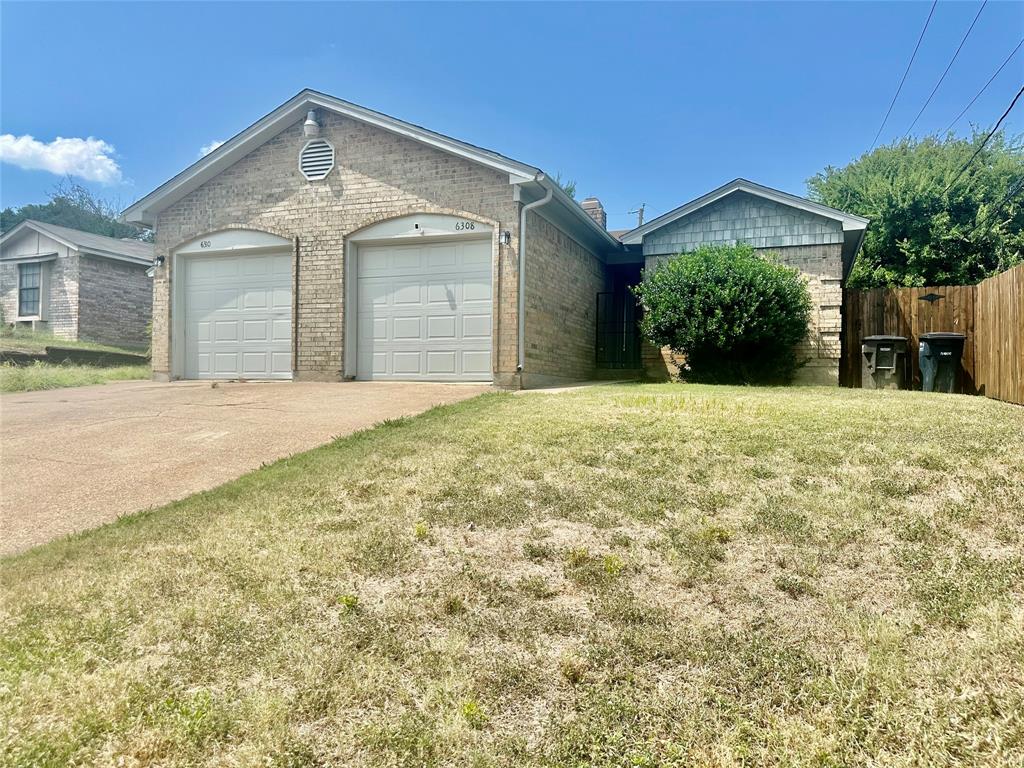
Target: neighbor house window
[{"x": 28, "y": 289}]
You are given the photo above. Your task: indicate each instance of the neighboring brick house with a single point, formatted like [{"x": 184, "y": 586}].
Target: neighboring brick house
[
  {"x": 819, "y": 241},
  {"x": 76, "y": 285},
  {"x": 328, "y": 241}
]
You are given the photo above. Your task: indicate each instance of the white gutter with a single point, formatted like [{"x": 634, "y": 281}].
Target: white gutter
[{"x": 522, "y": 270}]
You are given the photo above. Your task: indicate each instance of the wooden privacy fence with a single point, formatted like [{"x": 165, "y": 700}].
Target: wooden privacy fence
[{"x": 990, "y": 314}]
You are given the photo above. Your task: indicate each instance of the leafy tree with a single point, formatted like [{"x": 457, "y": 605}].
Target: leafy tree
[
  {"x": 920, "y": 233},
  {"x": 569, "y": 186},
  {"x": 733, "y": 314},
  {"x": 72, "y": 205}
]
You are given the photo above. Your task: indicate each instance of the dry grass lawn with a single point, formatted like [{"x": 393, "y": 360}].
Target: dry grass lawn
[{"x": 635, "y": 575}]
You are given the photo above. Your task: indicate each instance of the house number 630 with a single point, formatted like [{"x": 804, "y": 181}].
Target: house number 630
[
  {"x": 461, "y": 225},
  {"x": 205, "y": 243}
]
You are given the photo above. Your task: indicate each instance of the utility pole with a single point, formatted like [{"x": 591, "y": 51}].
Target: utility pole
[{"x": 639, "y": 214}]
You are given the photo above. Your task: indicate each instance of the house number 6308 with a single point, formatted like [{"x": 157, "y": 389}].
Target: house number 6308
[{"x": 461, "y": 225}]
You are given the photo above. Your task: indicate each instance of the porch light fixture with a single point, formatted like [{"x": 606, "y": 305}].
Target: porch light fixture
[{"x": 505, "y": 238}]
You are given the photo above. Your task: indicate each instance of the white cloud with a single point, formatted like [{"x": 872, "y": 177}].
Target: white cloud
[
  {"x": 208, "y": 148},
  {"x": 88, "y": 159}
]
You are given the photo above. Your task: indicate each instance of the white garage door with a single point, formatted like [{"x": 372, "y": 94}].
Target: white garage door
[
  {"x": 424, "y": 311},
  {"x": 238, "y": 316}
]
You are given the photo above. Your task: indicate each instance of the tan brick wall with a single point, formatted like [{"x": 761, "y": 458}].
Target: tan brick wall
[
  {"x": 378, "y": 176},
  {"x": 114, "y": 302},
  {"x": 822, "y": 265},
  {"x": 563, "y": 279}
]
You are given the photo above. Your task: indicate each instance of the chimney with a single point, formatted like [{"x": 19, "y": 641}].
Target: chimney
[{"x": 595, "y": 211}]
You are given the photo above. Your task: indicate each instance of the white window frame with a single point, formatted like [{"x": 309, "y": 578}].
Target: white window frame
[{"x": 44, "y": 290}]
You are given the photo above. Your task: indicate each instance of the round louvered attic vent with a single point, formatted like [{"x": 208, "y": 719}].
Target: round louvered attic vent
[{"x": 317, "y": 159}]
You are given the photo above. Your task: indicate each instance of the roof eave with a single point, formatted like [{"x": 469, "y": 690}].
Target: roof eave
[
  {"x": 600, "y": 233},
  {"x": 28, "y": 224},
  {"x": 849, "y": 221},
  {"x": 145, "y": 210}
]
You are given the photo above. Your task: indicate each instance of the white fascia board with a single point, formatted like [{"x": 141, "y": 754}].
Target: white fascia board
[
  {"x": 144, "y": 211},
  {"x": 849, "y": 220},
  {"x": 574, "y": 208}
]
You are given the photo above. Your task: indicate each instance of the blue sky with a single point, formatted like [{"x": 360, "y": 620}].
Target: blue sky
[{"x": 639, "y": 103}]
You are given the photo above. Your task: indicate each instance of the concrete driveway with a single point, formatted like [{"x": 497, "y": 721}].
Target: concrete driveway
[{"x": 72, "y": 459}]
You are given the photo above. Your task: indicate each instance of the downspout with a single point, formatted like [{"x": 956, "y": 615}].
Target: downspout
[{"x": 522, "y": 272}]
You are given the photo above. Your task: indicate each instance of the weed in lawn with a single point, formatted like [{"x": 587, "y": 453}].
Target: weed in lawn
[
  {"x": 538, "y": 552},
  {"x": 794, "y": 586},
  {"x": 594, "y": 571},
  {"x": 38, "y": 376},
  {"x": 777, "y": 515},
  {"x": 536, "y": 586},
  {"x": 348, "y": 603},
  {"x": 379, "y": 549},
  {"x": 696, "y": 547},
  {"x": 621, "y": 540},
  {"x": 421, "y": 531},
  {"x": 573, "y": 668},
  {"x": 473, "y": 714},
  {"x": 949, "y": 585},
  {"x": 453, "y": 605}
]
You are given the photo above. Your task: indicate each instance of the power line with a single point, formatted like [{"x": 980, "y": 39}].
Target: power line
[
  {"x": 946, "y": 70},
  {"x": 984, "y": 88},
  {"x": 984, "y": 141},
  {"x": 907, "y": 72}
]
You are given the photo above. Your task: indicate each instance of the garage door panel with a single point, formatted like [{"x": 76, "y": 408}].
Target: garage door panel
[
  {"x": 406, "y": 328},
  {"x": 225, "y": 298},
  {"x": 476, "y": 362},
  {"x": 476, "y": 326},
  {"x": 476, "y": 291},
  {"x": 443, "y": 292},
  {"x": 255, "y": 330},
  {"x": 254, "y": 363},
  {"x": 238, "y": 316},
  {"x": 406, "y": 362},
  {"x": 441, "y": 256},
  {"x": 226, "y": 267},
  {"x": 441, "y": 327},
  {"x": 424, "y": 311},
  {"x": 441, "y": 362},
  {"x": 225, "y": 330},
  {"x": 282, "y": 330}
]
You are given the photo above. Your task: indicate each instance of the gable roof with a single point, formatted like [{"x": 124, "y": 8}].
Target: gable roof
[
  {"x": 850, "y": 222},
  {"x": 145, "y": 210},
  {"x": 86, "y": 242}
]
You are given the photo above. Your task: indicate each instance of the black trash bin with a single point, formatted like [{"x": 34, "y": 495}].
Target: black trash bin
[
  {"x": 939, "y": 360},
  {"x": 883, "y": 363}
]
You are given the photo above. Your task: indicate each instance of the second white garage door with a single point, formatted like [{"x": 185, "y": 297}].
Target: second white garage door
[
  {"x": 424, "y": 311},
  {"x": 238, "y": 316}
]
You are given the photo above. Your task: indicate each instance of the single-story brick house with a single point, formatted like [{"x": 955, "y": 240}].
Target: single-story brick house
[
  {"x": 76, "y": 285},
  {"x": 328, "y": 241}
]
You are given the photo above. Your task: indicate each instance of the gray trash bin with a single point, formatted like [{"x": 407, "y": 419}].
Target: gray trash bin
[
  {"x": 939, "y": 360},
  {"x": 883, "y": 362}
]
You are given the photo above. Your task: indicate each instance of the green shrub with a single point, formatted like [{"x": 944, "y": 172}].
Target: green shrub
[{"x": 733, "y": 314}]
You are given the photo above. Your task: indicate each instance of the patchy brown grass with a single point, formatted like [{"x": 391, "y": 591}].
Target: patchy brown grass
[{"x": 620, "y": 576}]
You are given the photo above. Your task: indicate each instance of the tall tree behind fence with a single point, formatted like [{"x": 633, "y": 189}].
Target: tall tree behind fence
[{"x": 990, "y": 315}]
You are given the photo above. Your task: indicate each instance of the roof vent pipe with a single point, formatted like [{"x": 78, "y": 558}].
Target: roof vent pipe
[
  {"x": 311, "y": 127},
  {"x": 522, "y": 270}
]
